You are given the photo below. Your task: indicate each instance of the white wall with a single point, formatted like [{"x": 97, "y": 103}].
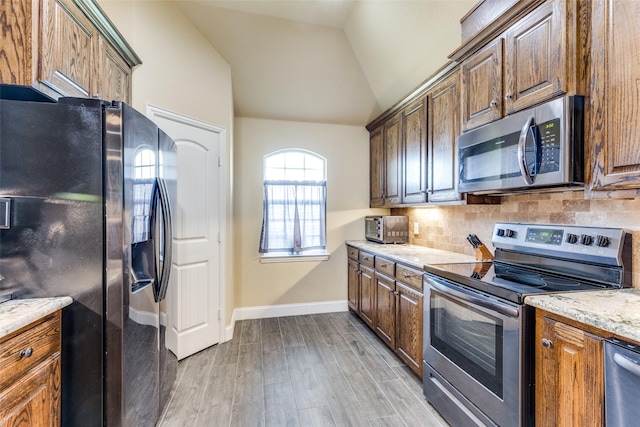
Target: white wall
[
  {"x": 346, "y": 149},
  {"x": 181, "y": 72},
  {"x": 412, "y": 41}
]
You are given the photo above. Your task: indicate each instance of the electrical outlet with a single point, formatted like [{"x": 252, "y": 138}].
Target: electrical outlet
[{"x": 416, "y": 228}]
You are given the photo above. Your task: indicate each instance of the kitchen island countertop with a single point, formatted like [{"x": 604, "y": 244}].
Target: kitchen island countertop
[
  {"x": 614, "y": 311},
  {"x": 413, "y": 255},
  {"x": 18, "y": 313}
]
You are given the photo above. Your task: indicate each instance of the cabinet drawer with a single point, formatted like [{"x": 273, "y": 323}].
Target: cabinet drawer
[
  {"x": 385, "y": 266},
  {"x": 409, "y": 276},
  {"x": 352, "y": 252},
  {"x": 366, "y": 258},
  {"x": 38, "y": 343}
]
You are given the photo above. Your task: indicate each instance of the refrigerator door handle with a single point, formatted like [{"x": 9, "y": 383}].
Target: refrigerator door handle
[
  {"x": 163, "y": 280},
  {"x": 143, "y": 253}
]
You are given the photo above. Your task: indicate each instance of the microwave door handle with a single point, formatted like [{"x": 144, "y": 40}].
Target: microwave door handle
[{"x": 522, "y": 146}]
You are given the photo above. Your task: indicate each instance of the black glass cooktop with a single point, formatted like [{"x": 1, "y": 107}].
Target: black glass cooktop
[{"x": 507, "y": 281}]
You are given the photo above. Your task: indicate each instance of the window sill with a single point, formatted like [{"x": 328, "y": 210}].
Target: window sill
[{"x": 283, "y": 257}]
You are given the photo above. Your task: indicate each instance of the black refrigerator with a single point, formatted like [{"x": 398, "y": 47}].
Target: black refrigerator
[{"x": 87, "y": 190}]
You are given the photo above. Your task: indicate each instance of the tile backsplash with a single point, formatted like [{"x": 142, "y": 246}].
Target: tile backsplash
[{"x": 447, "y": 227}]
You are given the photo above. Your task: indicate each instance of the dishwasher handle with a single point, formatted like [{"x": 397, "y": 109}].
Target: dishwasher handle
[{"x": 624, "y": 362}]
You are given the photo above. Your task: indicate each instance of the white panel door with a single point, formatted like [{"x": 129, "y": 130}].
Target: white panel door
[{"x": 194, "y": 296}]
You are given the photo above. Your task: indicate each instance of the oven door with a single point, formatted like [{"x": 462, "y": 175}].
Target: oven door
[{"x": 473, "y": 349}]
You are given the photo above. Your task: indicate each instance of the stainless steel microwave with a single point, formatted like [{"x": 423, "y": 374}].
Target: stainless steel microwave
[
  {"x": 387, "y": 228},
  {"x": 538, "y": 148}
]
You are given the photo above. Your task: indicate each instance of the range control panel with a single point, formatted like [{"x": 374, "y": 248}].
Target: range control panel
[{"x": 589, "y": 244}]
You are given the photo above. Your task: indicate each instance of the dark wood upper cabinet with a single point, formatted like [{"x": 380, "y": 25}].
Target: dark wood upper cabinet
[
  {"x": 536, "y": 57},
  {"x": 376, "y": 167},
  {"x": 443, "y": 130},
  {"x": 414, "y": 153},
  {"x": 385, "y": 167},
  {"x": 481, "y": 86},
  {"x": 613, "y": 148},
  {"x": 64, "y": 48},
  {"x": 532, "y": 61},
  {"x": 392, "y": 155}
]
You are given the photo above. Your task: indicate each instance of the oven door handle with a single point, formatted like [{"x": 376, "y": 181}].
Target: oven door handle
[{"x": 474, "y": 298}]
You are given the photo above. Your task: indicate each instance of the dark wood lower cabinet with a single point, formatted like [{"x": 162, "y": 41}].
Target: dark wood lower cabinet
[
  {"x": 367, "y": 295},
  {"x": 353, "y": 285},
  {"x": 30, "y": 374},
  {"x": 409, "y": 326},
  {"x": 388, "y": 297},
  {"x": 569, "y": 375},
  {"x": 385, "y": 325}
]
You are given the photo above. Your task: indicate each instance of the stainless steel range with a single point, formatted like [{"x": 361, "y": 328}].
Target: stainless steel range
[{"x": 478, "y": 336}]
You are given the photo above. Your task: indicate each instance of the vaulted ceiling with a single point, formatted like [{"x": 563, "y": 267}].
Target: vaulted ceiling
[{"x": 328, "y": 61}]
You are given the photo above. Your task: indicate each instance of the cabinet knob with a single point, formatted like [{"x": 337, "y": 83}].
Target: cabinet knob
[
  {"x": 383, "y": 265},
  {"x": 508, "y": 96},
  {"x": 547, "y": 343},
  {"x": 26, "y": 353},
  {"x": 493, "y": 104}
]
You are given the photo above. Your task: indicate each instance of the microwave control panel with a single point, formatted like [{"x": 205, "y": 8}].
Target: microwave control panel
[{"x": 549, "y": 133}]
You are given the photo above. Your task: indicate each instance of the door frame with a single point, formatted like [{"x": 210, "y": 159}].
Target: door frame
[{"x": 154, "y": 112}]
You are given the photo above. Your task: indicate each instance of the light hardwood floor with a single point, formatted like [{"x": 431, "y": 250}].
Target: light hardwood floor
[{"x": 313, "y": 370}]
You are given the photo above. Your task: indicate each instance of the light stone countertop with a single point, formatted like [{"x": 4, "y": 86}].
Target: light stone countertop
[
  {"x": 18, "y": 313},
  {"x": 412, "y": 255},
  {"x": 616, "y": 311}
]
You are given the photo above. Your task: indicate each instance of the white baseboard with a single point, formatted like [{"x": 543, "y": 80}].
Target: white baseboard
[{"x": 268, "y": 311}]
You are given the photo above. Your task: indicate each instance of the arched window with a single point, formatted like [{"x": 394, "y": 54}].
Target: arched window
[{"x": 295, "y": 203}]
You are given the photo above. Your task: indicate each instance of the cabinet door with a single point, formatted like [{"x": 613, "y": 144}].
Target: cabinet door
[
  {"x": 385, "y": 318},
  {"x": 482, "y": 86},
  {"x": 569, "y": 376},
  {"x": 67, "y": 51},
  {"x": 414, "y": 153},
  {"x": 353, "y": 285},
  {"x": 392, "y": 169},
  {"x": 443, "y": 130},
  {"x": 535, "y": 57},
  {"x": 614, "y": 129},
  {"x": 367, "y": 295},
  {"x": 409, "y": 326},
  {"x": 15, "y": 41},
  {"x": 115, "y": 73},
  {"x": 376, "y": 168},
  {"x": 34, "y": 400}
]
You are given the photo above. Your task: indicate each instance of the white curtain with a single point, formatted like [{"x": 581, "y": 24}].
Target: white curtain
[{"x": 294, "y": 218}]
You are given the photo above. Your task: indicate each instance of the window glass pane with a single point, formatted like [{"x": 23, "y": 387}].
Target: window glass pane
[
  {"x": 295, "y": 175},
  {"x": 294, "y": 165},
  {"x": 312, "y": 162},
  {"x": 294, "y": 159},
  {"x": 294, "y": 217},
  {"x": 314, "y": 175},
  {"x": 276, "y": 161}
]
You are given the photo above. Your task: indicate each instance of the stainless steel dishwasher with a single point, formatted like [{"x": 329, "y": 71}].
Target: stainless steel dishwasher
[{"x": 622, "y": 383}]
